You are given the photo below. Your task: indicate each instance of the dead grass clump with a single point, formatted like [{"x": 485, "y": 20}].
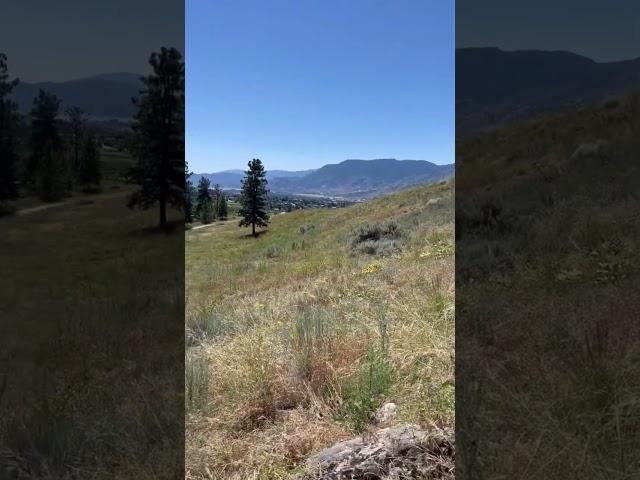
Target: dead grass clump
[
  {"x": 272, "y": 452},
  {"x": 196, "y": 381}
]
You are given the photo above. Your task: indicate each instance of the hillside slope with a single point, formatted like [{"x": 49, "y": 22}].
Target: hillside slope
[
  {"x": 299, "y": 335},
  {"x": 547, "y": 255},
  {"x": 364, "y": 178}
]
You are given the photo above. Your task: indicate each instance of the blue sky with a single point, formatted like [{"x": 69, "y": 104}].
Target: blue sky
[
  {"x": 303, "y": 83},
  {"x": 69, "y": 39}
]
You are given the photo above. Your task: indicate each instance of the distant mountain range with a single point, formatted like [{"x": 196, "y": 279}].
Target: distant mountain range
[
  {"x": 348, "y": 179},
  {"x": 107, "y": 96},
  {"x": 232, "y": 178},
  {"x": 495, "y": 86}
]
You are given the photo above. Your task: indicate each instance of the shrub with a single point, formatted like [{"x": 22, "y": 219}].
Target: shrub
[
  {"x": 482, "y": 216},
  {"x": 207, "y": 324},
  {"x": 272, "y": 251},
  {"x": 362, "y": 393},
  {"x": 379, "y": 239},
  {"x": 306, "y": 228}
]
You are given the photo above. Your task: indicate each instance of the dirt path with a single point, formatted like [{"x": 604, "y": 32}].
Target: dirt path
[
  {"x": 216, "y": 224},
  {"x": 71, "y": 201}
]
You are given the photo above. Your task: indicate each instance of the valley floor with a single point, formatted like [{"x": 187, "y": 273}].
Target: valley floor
[{"x": 298, "y": 336}]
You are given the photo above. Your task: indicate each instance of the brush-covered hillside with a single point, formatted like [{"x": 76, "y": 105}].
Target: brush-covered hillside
[
  {"x": 297, "y": 337},
  {"x": 547, "y": 278}
]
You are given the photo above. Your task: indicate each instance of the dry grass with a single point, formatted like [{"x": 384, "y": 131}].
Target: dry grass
[
  {"x": 89, "y": 343},
  {"x": 289, "y": 322},
  {"x": 547, "y": 277}
]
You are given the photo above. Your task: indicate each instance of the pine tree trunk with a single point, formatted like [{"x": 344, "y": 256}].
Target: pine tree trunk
[{"x": 253, "y": 229}]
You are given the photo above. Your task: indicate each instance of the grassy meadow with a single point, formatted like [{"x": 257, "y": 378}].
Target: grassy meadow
[
  {"x": 547, "y": 283},
  {"x": 90, "y": 337},
  {"x": 296, "y": 337}
]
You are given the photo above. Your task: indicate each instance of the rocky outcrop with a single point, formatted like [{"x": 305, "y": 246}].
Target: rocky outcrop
[{"x": 398, "y": 453}]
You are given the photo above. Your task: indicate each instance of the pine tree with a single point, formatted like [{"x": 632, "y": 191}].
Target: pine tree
[
  {"x": 204, "y": 202},
  {"x": 89, "y": 163},
  {"x": 159, "y": 132},
  {"x": 189, "y": 195},
  {"x": 253, "y": 198},
  {"x": 217, "y": 193},
  {"x": 206, "y": 211},
  {"x": 8, "y": 119},
  {"x": 223, "y": 209},
  {"x": 77, "y": 122},
  {"x": 47, "y": 164}
]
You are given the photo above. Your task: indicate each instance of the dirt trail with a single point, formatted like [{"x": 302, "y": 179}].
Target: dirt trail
[
  {"x": 71, "y": 201},
  {"x": 216, "y": 224}
]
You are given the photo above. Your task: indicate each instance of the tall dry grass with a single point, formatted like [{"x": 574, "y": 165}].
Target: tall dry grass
[{"x": 308, "y": 337}]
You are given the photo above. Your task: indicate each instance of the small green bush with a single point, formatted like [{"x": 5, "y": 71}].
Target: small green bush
[{"x": 362, "y": 393}]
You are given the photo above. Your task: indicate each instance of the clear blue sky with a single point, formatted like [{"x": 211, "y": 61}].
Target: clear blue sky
[
  {"x": 68, "y": 39},
  {"x": 303, "y": 83}
]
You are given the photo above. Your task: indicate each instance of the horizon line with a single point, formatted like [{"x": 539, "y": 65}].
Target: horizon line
[{"x": 231, "y": 170}]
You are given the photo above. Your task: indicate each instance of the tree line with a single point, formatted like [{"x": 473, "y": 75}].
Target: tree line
[
  {"x": 61, "y": 153},
  {"x": 58, "y": 162},
  {"x": 206, "y": 203}
]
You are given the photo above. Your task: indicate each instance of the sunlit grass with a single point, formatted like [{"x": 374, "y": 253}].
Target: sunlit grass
[{"x": 305, "y": 339}]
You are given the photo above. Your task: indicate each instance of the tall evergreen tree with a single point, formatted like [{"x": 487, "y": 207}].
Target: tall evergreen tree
[
  {"x": 8, "y": 119},
  {"x": 204, "y": 207},
  {"x": 159, "y": 132},
  {"x": 189, "y": 195},
  {"x": 217, "y": 193},
  {"x": 253, "y": 197},
  {"x": 77, "y": 122},
  {"x": 223, "y": 209},
  {"x": 206, "y": 211},
  {"x": 47, "y": 165},
  {"x": 89, "y": 163}
]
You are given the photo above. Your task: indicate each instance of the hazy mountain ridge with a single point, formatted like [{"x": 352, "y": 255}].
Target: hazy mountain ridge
[
  {"x": 494, "y": 86},
  {"x": 105, "y": 96},
  {"x": 231, "y": 179},
  {"x": 350, "y": 178}
]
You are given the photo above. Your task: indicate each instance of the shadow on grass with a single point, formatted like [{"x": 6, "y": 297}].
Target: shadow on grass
[
  {"x": 171, "y": 227},
  {"x": 258, "y": 234}
]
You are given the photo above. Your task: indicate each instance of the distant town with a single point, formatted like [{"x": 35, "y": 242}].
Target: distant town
[{"x": 288, "y": 202}]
